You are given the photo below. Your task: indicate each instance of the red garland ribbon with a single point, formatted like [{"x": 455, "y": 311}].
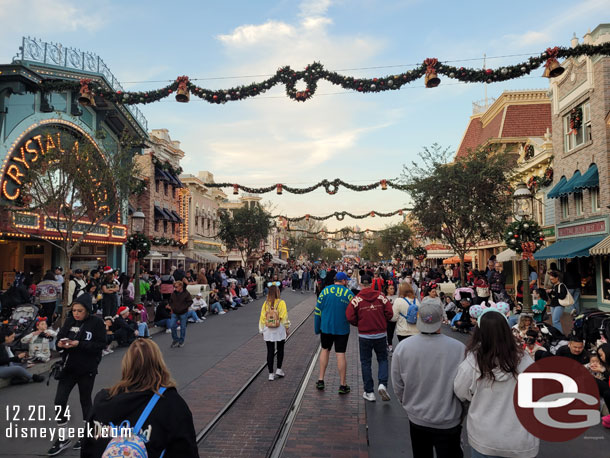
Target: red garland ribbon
[
  {"x": 384, "y": 184},
  {"x": 552, "y": 55},
  {"x": 235, "y": 188},
  {"x": 279, "y": 188},
  {"x": 430, "y": 64},
  {"x": 373, "y": 214},
  {"x": 133, "y": 254},
  {"x": 182, "y": 82},
  {"x": 307, "y": 217},
  {"x": 84, "y": 85},
  {"x": 528, "y": 250}
]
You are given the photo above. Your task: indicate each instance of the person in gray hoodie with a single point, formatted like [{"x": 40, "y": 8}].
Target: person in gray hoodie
[
  {"x": 487, "y": 379},
  {"x": 423, "y": 368}
]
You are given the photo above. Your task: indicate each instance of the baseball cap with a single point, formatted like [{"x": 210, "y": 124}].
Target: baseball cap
[
  {"x": 341, "y": 276},
  {"x": 365, "y": 279},
  {"x": 430, "y": 317},
  {"x": 78, "y": 271}
]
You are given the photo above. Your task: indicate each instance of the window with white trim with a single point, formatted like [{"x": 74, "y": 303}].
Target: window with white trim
[
  {"x": 575, "y": 136},
  {"x": 578, "y": 203},
  {"x": 565, "y": 208},
  {"x": 595, "y": 204}
]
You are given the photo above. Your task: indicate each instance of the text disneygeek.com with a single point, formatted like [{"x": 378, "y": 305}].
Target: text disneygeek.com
[{"x": 18, "y": 431}]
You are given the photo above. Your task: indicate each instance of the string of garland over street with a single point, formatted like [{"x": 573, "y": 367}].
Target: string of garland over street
[
  {"x": 342, "y": 214},
  {"x": 309, "y": 77}
]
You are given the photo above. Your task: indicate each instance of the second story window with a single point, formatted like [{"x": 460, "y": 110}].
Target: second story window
[
  {"x": 164, "y": 227},
  {"x": 156, "y": 225},
  {"x": 165, "y": 188},
  {"x": 156, "y": 185},
  {"x": 577, "y": 127},
  {"x": 595, "y": 204},
  {"x": 578, "y": 203}
]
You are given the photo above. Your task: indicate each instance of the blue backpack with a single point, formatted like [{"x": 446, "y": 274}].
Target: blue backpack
[
  {"x": 133, "y": 446},
  {"x": 412, "y": 312}
]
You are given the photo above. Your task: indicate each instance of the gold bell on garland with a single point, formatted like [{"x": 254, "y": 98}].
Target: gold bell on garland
[
  {"x": 552, "y": 68},
  {"x": 85, "y": 97},
  {"x": 432, "y": 79},
  {"x": 182, "y": 94}
]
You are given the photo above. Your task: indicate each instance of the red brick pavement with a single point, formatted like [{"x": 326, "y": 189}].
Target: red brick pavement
[
  {"x": 329, "y": 424},
  {"x": 249, "y": 427},
  {"x": 210, "y": 392}
]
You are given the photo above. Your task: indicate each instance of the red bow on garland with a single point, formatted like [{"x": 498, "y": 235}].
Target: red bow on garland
[
  {"x": 182, "y": 82},
  {"x": 528, "y": 250},
  {"x": 84, "y": 85},
  {"x": 552, "y": 56},
  {"x": 430, "y": 64}
]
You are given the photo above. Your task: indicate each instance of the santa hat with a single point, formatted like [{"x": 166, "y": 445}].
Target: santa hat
[
  {"x": 122, "y": 309},
  {"x": 108, "y": 270}
]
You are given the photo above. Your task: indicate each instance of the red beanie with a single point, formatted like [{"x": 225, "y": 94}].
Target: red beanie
[{"x": 122, "y": 309}]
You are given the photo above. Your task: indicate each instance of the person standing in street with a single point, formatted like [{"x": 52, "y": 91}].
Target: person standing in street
[
  {"x": 179, "y": 302},
  {"x": 572, "y": 280},
  {"x": 82, "y": 339},
  {"x": 487, "y": 379},
  {"x": 76, "y": 286},
  {"x": 274, "y": 325},
  {"x": 331, "y": 323},
  {"x": 370, "y": 311},
  {"x": 423, "y": 367},
  {"x": 557, "y": 292}
]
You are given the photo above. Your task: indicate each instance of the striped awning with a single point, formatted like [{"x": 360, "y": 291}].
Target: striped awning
[{"x": 602, "y": 247}]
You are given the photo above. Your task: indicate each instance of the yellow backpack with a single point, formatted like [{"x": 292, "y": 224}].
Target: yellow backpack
[{"x": 272, "y": 316}]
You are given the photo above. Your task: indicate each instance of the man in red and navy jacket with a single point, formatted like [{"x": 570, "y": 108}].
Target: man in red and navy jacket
[{"x": 370, "y": 311}]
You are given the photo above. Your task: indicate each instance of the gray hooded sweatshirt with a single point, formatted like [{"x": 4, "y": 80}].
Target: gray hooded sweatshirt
[{"x": 493, "y": 426}]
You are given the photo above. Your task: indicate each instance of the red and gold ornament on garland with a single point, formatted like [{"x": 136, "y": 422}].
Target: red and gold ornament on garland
[
  {"x": 552, "y": 68},
  {"x": 85, "y": 97},
  {"x": 431, "y": 79},
  {"x": 182, "y": 94}
]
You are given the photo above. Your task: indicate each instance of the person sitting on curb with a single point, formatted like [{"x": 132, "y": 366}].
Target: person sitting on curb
[
  {"x": 11, "y": 366},
  {"x": 124, "y": 328},
  {"x": 39, "y": 341}
]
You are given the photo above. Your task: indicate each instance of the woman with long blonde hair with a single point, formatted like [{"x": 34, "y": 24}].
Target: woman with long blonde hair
[
  {"x": 144, "y": 376},
  {"x": 274, "y": 325}
]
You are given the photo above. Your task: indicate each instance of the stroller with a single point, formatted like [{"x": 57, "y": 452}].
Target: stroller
[
  {"x": 591, "y": 326},
  {"x": 552, "y": 337},
  {"x": 23, "y": 322}
]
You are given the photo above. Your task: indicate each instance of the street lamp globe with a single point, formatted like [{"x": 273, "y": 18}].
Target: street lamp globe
[
  {"x": 137, "y": 221},
  {"x": 523, "y": 202}
]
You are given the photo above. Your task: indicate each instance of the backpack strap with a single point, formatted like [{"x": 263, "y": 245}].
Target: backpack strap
[{"x": 149, "y": 407}]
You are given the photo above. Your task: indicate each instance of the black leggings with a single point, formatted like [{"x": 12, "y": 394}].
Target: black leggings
[
  {"x": 271, "y": 351},
  {"x": 391, "y": 329},
  {"x": 85, "y": 388},
  {"x": 47, "y": 309}
]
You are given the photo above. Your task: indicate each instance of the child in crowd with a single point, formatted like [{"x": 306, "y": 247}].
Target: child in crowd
[
  {"x": 244, "y": 294},
  {"x": 450, "y": 307},
  {"x": 195, "y": 309},
  {"x": 531, "y": 345},
  {"x": 523, "y": 325},
  {"x": 141, "y": 318},
  {"x": 539, "y": 298},
  {"x": 39, "y": 341},
  {"x": 108, "y": 322},
  {"x": 199, "y": 306},
  {"x": 596, "y": 368}
]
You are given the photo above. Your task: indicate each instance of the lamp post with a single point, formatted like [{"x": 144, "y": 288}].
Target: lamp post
[
  {"x": 137, "y": 225},
  {"x": 523, "y": 209}
]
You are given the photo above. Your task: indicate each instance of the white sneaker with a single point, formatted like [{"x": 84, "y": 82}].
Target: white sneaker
[
  {"x": 369, "y": 396},
  {"x": 105, "y": 352},
  {"x": 222, "y": 313},
  {"x": 271, "y": 377},
  {"x": 203, "y": 318},
  {"x": 383, "y": 392},
  {"x": 280, "y": 373},
  {"x": 168, "y": 331}
]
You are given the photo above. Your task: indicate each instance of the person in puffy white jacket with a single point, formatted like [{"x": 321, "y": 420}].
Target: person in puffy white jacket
[
  {"x": 487, "y": 379},
  {"x": 400, "y": 307}
]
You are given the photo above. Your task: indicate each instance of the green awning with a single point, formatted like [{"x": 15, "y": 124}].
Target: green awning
[
  {"x": 569, "y": 248},
  {"x": 554, "y": 193},
  {"x": 569, "y": 187},
  {"x": 589, "y": 180}
]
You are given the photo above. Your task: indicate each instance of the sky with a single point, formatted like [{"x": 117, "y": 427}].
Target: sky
[{"x": 360, "y": 138}]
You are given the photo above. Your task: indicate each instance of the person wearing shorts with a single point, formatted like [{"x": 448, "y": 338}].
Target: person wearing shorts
[{"x": 332, "y": 325}]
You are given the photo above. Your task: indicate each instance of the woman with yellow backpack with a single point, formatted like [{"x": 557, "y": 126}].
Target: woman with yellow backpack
[{"x": 274, "y": 326}]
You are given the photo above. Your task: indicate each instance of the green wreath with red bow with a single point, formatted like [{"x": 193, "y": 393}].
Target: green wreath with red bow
[{"x": 525, "y": 237}]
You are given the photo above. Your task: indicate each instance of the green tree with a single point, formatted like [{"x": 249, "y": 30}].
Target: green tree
[
  {"x": 313, "y": 249},
  {"x": 395, "y": 241},
  {"x": 331, "y": 254},
  {"x": 78, "y": 189},
  {"x": 244, "y": 229},
  {"x": 462, "y": 202},
  {"x": 371, "y": 249}
]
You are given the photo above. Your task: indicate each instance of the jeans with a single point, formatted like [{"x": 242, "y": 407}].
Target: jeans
[
  {"x": 174, "y": 326},
  {"x": 576, "y": 295},
  {"x": 271, "y": 351},
  {"x": 192, "y": 315},
  {"x": 143, "y": 330},
  {"x": 85, "y": 384},
  {"x": 446, "y": 442},
  {"x": 475, "y": 454},
  {"x": 366, "y": 354},
  {"x": 165, "y": 323},
  {"x": 14, "y": 371},
  {"x": 556, "y": 314},
  {"x": 513, "y": 320},
  {"x": 216, "y": 307}
]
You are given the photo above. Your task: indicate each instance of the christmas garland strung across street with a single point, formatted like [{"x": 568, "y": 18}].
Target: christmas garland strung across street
[
  {"x": 340, "y": 231},
  {"x": 138, "y": 245},
  {"x": 331, "y": 187},
  {"x": 430, "y": 68},
  {"x": 342, "y": 214},
  {"x": 535, "y": 182},
  {"x": 524, "y": 237}
]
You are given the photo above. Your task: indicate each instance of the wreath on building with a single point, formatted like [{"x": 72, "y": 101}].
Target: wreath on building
[
  {"x": 575, "y": 120},
  {"x": 267, "y": 257},
  {"x": 138, "y": 245},
  {"x": 525, "y": 237},
  {"x": 164, "y": 241},
  {"x": 535, "y": 182},
  {"x": 419, "y": 253},
  {"x": 529, "y": 152}
]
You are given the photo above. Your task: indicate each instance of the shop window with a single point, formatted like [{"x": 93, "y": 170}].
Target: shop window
[
  {"x": 34, "y": 249},
  {"x": 595, "y": 204},
  {"x": 165, "y": 187},
  {"x": 87, "y": 116},
  {"x": 588, "y": 276},
  {"x": 574, "y": 137},
  {"x": 156, "y": 225},
  {"x": 59, "y": 100},
  {"x": 578, "y": 203},
  {"x": 18, "y": 107},
  {"x": 565, "y": 207},
  {"x": 606, "y": 277}
]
